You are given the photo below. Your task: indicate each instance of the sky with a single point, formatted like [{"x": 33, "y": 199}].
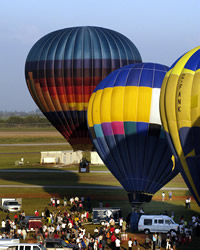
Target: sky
[{"x": 161, "y": 30}]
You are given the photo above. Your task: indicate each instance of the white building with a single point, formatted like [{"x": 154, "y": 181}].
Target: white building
[{"x": 68, "y": 157}]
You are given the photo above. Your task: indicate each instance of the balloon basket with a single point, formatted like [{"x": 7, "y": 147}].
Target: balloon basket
[{"x": 137, "y": 198}]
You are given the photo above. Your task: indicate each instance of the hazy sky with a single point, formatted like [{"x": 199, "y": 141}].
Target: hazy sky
[{"x": 161, "y": 30}]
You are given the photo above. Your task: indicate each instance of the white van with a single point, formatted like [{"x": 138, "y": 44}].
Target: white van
[
  {"x": 5, "y": 241},
  {"x": 157, "y": 223},
  {"x": 22, "y": 246}
]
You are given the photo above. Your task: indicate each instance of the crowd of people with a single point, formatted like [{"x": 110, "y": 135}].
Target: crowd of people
[{"x": 67, "y": 219}]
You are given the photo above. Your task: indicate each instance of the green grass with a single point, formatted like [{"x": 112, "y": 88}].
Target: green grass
[{"x": 38, "y": 198}]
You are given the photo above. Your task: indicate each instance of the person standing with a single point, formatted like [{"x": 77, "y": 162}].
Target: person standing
[
  {"x": 130, "y": 244},
  {"x": 3, "y": 226},
  {"x": 170, "y": 195},
  {"x": 186, "y": 203},
  {"x": 159, "y": 241},
  {"x": 124, "y": 226},
  {"x": 163, "y": 196},
  {"x": 168, "y": 243},
  {"x": 172, "y": 214},
  {"x": 154, "y": 238},
  {"x": 113, "y": 239},
  {"x": 65, "y": 201},
  {"x": 117, "y": 244},
  {"x": 24, "y": 233},
  {"x": 189, "y": 201}
]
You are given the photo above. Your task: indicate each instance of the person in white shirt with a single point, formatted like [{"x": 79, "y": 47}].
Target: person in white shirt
[
  {"x": 63, "y": 225},
  {"x": 112, "y": 222},
  {"x": 3, "y": 226},
  {"x": 163, "y": 196},
  {"x": 58, "y": 228},
  {"x": 117, "y": 231},
  {"x": 117, "y": 243},
  {"x": 52, "y": 229},
  {"x": 58, "y": 203},
  {"x": 76, "y": 199},
  {"x": 71, "y": 200},
  {"x": 19, "y": 231},
  {"x": 194, "y": 219},
  {"x": 120, "y": 222},
  {"x": 44, "y": 228},
  {"x": 70, "y": 225},
  {"x": 130, "y": 244}
]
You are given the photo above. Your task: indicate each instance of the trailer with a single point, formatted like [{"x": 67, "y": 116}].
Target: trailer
[{"x": 102, "y": 214}]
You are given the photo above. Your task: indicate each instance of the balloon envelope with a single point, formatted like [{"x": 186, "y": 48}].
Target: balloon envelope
[
  {"x": 124, "y": 123},
  {"x": 180, "y": 113},
  {"x": 63, "y": 68}
]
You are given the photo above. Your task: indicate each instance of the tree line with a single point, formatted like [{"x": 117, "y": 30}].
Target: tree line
[{"x": 28, "y": 121}]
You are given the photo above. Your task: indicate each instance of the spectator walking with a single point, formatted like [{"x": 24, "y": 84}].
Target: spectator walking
[
  {"x": 186, "y": 202},
  {"x": 159, "y": 240},
  {"x": 170, "y": 195},
  {"x": 117, "y": 244},
  {"x": 24, "y": 233},
  {"x": 130, "y": 244},
  {"x": 3, "y": 226},
  {"x": 65, "y": 201},
  {"x": 189, "y": 202},
  {"x": 163, "y": 196}
]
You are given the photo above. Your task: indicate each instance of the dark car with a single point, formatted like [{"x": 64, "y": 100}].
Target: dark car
[{"x": 59, "y": 243}]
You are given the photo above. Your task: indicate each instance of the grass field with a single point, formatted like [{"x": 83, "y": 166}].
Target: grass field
[{"x": 38, "y": 198}]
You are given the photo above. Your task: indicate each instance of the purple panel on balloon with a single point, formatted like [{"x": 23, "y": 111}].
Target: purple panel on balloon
[{"x": 107, "y": 128}]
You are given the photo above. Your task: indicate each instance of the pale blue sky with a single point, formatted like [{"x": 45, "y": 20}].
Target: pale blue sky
[{"x": 161, "y": 30}]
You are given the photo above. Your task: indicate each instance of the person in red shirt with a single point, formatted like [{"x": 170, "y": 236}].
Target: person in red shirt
[
  {"x": 112, "y": 239},
  {"x": 56, "y": 235},
  {"x": 112, "y": 229},
  {"x": 36, "y": 213},
  {"x": 16, "y": 218}
]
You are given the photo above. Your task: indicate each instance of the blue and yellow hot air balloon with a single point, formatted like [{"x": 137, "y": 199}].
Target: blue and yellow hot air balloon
[
  {"x": 180, "y": 115},
  {"x": 63, "y": 68},
  {"x": 124, "y": 123}
]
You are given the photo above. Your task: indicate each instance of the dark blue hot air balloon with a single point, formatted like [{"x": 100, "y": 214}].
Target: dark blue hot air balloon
[{"x": 124, "y": 123}]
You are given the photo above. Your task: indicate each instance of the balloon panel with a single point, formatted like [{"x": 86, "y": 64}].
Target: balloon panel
[{"x": 63, "y": 68}]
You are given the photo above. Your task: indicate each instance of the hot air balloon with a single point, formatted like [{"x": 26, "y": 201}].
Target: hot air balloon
[
  {"x": 63, "y": 68},
  {"x": 180, "y": 114},
  {"x": 125, "y": 127}
]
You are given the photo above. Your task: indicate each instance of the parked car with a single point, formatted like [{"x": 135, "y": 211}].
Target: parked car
[
  {"x": 157, "y": 223},
  {"x": 53, "y": 244},
  {"x": 10, "y": 204}
]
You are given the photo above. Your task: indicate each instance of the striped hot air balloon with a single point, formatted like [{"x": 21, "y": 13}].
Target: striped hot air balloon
[
  {"x": 180, "y": 113},
  {"x": 124, "y": 123},
  {"x": 63, "y": 68}
]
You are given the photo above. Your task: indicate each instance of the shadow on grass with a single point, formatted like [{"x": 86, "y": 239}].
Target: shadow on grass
[{"x": 48, "y": 182}]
